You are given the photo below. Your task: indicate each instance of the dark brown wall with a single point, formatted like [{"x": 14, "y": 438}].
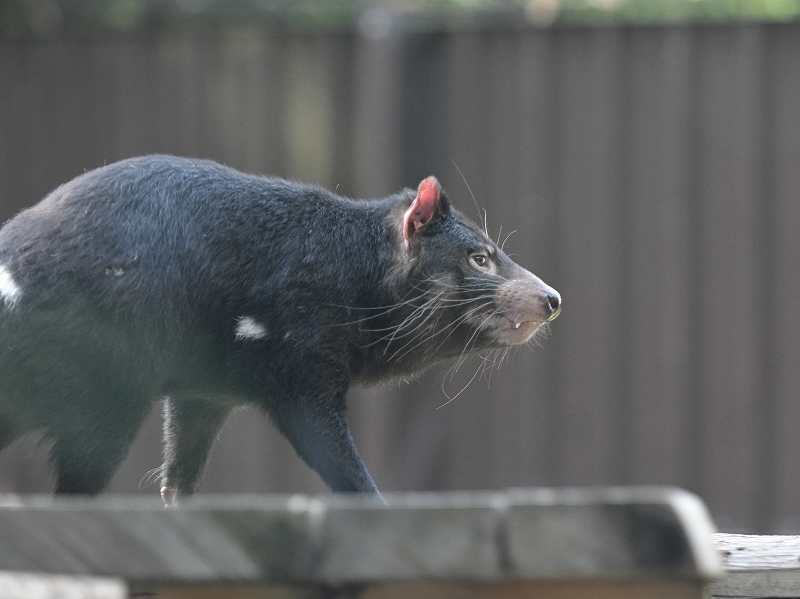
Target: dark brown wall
[{"x": 652, "y": 175}]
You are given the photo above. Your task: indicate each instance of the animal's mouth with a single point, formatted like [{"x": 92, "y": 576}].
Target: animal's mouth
[
  {"x": 516, "y": 323},
  {"x": 515, "y": 330}
]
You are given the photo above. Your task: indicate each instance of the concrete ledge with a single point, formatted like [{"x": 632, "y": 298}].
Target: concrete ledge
[{"x": 628, "y": 537}]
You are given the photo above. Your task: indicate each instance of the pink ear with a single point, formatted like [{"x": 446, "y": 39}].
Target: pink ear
[{"x": 422, "y": 208}]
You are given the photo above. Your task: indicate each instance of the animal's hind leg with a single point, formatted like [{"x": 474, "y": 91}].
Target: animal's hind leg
[
  {"x": 83, "y": 466},
  {"x": 85, "y": 455},
  {"x": 80, "y": 470},
  {"x": 7, "y": 432},
  {"x": 190, "y": 428}
]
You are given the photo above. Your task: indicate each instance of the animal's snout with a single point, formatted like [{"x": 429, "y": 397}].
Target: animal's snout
[{"x": 552, "y": 303}]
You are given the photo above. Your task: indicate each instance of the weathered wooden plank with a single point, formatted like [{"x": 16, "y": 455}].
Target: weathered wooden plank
[
  {"x": 758, "y": 567},
  {"x": 99, "y": 122},
  {"x": 519, "y": 193},
  {"x": 342, "y": 46},
  {"x": 423, "y": 109},
  {"x": 26, "y": 138},
  {"x": 461, "y": 403},
  {"x": 13, "y": 103},
  {"x": 19, "y": 585},
  {"x": 308, "y": 120},
  {"x": 176, "y": 113},
  {"x": 239, "y": 126},
  {"x": 743, "y": 553},
  {"x": 616, "y": 534},
  {"x": 528, "y": 422},
  {"x": 784, "y": 283},
  {"x": 757, "y": 585},
  {"x": 660, "y": 257},
  {"x": 135, "y": 95},
  {"x": 33, "y": 136},
  {"x": 452, "y": 590},
  {"x": 590, "y": 217},
  {"x": 730, "y": 351},
  {"x": 376, "y": 149},
  {"x": 480, "y": 146}
]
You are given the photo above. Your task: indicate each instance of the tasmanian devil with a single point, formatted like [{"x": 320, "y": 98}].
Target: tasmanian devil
[{"x": 183, "y": 280}]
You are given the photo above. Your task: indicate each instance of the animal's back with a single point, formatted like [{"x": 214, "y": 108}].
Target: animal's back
[
  {"x": 158, "y": 239},
  {"x": 157, "y": 219}
]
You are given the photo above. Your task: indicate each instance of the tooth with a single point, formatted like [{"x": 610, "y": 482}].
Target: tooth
[{"x": 516, "y": 325}]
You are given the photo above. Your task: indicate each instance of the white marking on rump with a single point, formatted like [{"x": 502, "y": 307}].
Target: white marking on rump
[
  {"x": 9, "y": 290},
  {"x": 248, "y": 327}
]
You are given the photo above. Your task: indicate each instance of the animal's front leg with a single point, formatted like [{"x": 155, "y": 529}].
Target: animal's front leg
[
  {"x": 190, "y": 428},
  {"x": 319, "y": 432}
]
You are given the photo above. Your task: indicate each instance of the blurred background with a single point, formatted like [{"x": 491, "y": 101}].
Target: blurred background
[{"x": 646, "y": 155}]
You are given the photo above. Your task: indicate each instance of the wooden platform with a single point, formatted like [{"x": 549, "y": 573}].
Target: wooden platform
[{"x": 614, "y": 542}]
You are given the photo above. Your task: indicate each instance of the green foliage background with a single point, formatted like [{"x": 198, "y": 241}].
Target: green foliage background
[{"x": 26, "y": 18}]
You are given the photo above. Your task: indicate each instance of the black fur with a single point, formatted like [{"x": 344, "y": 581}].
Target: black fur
[{"x": 129, "y": 284}]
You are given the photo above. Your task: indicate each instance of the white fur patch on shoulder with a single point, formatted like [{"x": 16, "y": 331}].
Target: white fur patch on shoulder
[
  {"x": 10, "y": 292},
  {"x": 248, "y": 327}
]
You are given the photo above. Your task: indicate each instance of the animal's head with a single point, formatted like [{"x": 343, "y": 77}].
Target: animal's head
[{"x": 490, "y": 300}]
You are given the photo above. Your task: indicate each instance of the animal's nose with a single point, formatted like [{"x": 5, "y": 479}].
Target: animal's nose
[{"x": 553, "y": 302}]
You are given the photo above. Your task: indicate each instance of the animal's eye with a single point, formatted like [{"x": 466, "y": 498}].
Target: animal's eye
[{"x": 480, "y": 260}]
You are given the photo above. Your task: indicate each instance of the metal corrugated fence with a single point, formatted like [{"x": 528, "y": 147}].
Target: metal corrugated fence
[{"x": 652, "y": 176}]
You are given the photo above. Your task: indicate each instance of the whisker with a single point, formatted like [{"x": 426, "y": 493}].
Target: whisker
[
  {"x": 502, "y": 245},
  {"x": 464, "y": 388},
  {"x": 497, "y": 357},
  {"x": 462, "y": 319},
  {"x": 417, "y": 317},
  {"x": 470, "y": 193},
  {"x": 471, "y": 341},
  {"x": 150, "y": 477},
  {"x": 452, "y": 325},
  {"x": 425, "y": 318}
]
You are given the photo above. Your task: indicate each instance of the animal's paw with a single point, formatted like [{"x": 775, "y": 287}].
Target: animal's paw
[{"x": 170, "y": 496}]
